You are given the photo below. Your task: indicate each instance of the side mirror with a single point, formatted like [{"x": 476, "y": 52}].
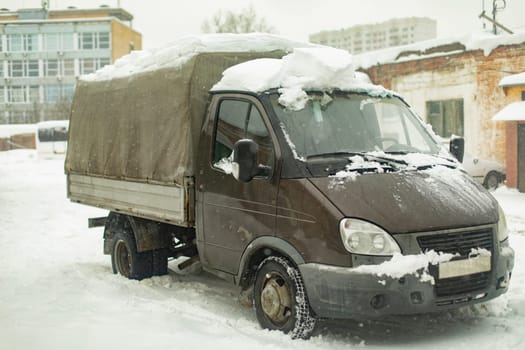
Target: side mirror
[
  {"x": 457, "y": 148},
  {"x": 244, "y": 165}
]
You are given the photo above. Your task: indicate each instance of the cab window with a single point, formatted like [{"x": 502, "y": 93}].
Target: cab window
[{"x": 238, "y": 119}]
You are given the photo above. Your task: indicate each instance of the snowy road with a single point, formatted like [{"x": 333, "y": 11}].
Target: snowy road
[{"x": 57, "y": 290}]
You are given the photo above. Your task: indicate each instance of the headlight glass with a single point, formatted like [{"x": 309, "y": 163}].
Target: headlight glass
[
  {"x": 362, "y": 237},
  {"x": 502, "y": 225}
]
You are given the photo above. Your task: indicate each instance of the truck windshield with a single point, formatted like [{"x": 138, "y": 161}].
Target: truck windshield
[{"x": 340, "y": 123}]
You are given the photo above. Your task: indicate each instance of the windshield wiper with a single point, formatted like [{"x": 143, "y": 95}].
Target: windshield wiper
[
  {"x": 397, "y": 152},
  {"x": 336, "y": 154},
  {"x": 388, "y": 160}
]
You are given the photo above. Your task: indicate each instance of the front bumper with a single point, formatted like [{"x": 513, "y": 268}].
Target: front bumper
[{"x": 341, "y": 292}]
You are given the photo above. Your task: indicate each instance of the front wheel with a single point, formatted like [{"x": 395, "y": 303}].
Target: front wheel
[
  {"x": 280, "y": 299},
  {"x": 492, "y": 180}
]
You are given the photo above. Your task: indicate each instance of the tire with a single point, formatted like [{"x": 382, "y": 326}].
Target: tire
[
  {"x": 492, "y": 180},
  {"x": 280, "y": 299},
  {"x": 125, "y": 259}
]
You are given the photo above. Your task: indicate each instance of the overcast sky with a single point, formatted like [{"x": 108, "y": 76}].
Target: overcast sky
[{"x": 161, "y": 21}]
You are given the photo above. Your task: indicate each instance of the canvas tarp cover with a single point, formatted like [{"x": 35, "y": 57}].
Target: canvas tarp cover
[{"x": 145, "y": 127}]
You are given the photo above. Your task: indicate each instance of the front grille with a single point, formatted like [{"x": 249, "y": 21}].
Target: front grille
[
  {"x": 458, "y": 243},
  {"x": 462, "y": 284}
]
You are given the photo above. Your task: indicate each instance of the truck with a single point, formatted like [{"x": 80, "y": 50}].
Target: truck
[{"x": 279, "y": 170}]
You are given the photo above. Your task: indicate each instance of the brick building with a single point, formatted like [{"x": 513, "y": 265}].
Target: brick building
[
  {"x": 453, "y": 84},
  {"x": 513, "y": 118},
  {"x": 42, "y": 53}
]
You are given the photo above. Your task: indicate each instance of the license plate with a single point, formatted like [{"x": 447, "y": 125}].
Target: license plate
[{"x": 464, "y": 267}]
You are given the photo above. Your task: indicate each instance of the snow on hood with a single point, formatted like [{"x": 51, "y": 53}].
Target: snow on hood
[
  {"x": 180, "y": 51},
  {"x": 485, "y": 41},
  {"x": 426, "y": 199},
  {"x": 320, "y": 68},
  {"x": 513, "y": 80}
]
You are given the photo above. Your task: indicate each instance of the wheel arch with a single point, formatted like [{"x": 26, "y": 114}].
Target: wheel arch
[
  {"x": 148, "y": 234},
  {"x": 258, "y": 250}
]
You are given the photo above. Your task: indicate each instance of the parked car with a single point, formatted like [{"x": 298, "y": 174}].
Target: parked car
[{"x": 487, "y": 172}]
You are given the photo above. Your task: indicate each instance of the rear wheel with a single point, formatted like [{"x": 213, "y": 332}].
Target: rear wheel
[
  {"x": 125, "y": 259},
  {"x": 280, "y": 299}
]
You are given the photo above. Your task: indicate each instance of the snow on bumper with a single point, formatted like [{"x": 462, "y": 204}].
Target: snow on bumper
[{"x": 342, "y": 292}]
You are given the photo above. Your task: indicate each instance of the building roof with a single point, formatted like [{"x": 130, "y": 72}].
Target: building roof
[
  {"x": 71, "y": 13},
  {"x": 438, "y": 47},
  {"x": 119, "y": 13},
  {"x": 512, "y": 112},
  {"x": 513, "y": 80}
]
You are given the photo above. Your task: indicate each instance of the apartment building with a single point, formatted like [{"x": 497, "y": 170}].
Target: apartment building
[
  {"x": 369, "y": 37},
  {"x": 42, "y": 54}
]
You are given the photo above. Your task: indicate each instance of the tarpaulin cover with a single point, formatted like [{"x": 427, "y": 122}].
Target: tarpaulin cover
[{"x": 145, "y": 127}]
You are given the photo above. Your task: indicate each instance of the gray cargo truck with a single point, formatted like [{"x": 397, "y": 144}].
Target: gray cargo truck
[{"x": 307, "y": 209}]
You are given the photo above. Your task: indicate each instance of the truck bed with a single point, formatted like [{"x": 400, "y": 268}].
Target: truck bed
[{"x": 171, "y": 204}]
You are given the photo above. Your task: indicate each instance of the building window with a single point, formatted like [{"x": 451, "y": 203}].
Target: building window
[
  {"x": 2, "y": 96},
  {"x": 93, "y": 41},
  {"x": 85, "y": 41},
  {"x": 90, "y": 65},
  {"x": 32, "y": 68},
  {"x": 51, "y": 68},
  {"x": 58, "y": 42},
  {"x": 21, "y": 68},
  {"x": 17, "y": 94},
  {"x": 34, "y": 93},
  {"x": 22, "y": 42},
  {"x": 523, "y": 95},
  {"x": 446, "y": 117},
  {"x": 103, "y": 40},
  {"x": 16, "y": 68},
  {"x": 62, "y": 68},
  {"x": 68, "y": 67},
  {"x": 56, "y": 92},
  {"x": 52, "y": 93},
  {"x": 51, "y": 42},
  {"x": 67, "y": 91}
]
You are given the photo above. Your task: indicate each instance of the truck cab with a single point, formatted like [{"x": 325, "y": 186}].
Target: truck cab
[{"x": 347, "y": 182}]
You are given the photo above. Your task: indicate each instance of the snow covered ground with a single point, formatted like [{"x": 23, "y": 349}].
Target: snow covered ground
[{"x": 57, "y": 290}]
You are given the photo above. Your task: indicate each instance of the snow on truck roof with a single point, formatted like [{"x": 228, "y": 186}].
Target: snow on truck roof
[
  {"x": 319, "y": 68},
  {"x": 307, "y": 67},
  {"x": 180, "y": 51}
]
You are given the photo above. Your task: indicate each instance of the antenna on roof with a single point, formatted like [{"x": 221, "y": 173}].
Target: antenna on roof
[{"x": 497, "y": 5}]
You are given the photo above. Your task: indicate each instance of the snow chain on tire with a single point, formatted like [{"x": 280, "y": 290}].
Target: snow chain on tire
[{"x": 304, "y": 321}]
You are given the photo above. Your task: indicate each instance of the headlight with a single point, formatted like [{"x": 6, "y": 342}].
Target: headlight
[
  {"x": 361, "y": 237},
  {"x": 502, "y": 225}
]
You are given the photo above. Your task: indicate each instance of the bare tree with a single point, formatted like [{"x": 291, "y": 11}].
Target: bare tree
[{"x": 246, "y": 21}]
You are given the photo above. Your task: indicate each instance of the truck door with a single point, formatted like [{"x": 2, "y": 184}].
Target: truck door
[{"x": 230, "y": 213}]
